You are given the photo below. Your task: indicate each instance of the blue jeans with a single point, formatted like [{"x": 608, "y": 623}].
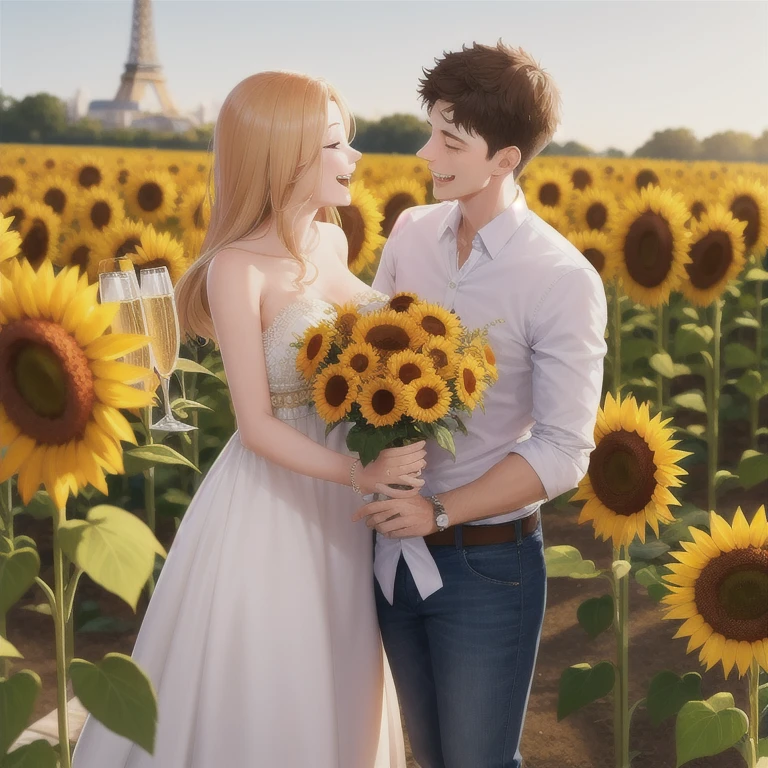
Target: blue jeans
[{"x": 463, "y": 659}]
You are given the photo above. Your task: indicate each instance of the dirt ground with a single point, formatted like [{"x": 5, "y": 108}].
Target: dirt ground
[{"x": 582, "y": 740}]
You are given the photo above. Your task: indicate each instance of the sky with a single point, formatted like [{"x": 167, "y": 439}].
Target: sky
[{"x": 624, "y": 68}]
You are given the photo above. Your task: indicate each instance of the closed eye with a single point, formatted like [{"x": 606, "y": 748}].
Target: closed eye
[
  {"x": 453, "y": 149},
  {"x": 333, "y": 146}
]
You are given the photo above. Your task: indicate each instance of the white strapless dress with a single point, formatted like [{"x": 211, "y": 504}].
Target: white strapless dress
[{"x": 261, "y": 637}]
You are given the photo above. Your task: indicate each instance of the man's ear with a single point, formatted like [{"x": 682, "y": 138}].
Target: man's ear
[{"x": 509, "y": 159}]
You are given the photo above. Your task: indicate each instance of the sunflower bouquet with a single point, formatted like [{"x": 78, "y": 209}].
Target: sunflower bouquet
[{"x": 405, "y": 372}]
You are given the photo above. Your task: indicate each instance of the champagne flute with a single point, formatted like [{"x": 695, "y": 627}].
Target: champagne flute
[
  {"x": 118, "y": 264},
  {"x": 123, "y": 288},
  {"x": 163, "y": 329}
]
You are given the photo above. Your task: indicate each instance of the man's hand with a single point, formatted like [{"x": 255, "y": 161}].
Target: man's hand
[{"x": 399, "y": 518}]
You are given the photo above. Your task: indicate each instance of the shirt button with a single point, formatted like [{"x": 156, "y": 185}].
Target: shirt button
[{"x": 452, "y": 284}]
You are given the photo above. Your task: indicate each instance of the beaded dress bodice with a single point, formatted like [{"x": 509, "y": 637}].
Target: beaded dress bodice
[{"x": 289, "y": 392}]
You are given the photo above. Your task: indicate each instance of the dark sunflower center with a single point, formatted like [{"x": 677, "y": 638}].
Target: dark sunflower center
[
  {"x": 401, "y": 303},
  {"x": 439, "y": 358},
  {"x": 597, "y": 216},
  {"x": 388, "y": 338},
  {"x": 35, "y": 245},
  {"x": 122, "y": 177},
  {"x": 645, "y": 178},
  {"x": 354, "y": 228},
  {"x": 345, "y": 323},
  {"x": 359, "y": 363},
  {"x": 80, "y": 257},
  {"x": 426, "y": 398},
  {"x": 746, "y": 209},
  {"x": 197, "y": 217},
  {"x": 408, "y": 372},
  {"x": 711, "y": 257},
  {"x": 7, "y": 185},
  {"x": 314, "y": 346},
  {"x": 17, "y": 216},
  {"x": 150, "y": 196},
  {"x": 731, "y": 594},
  {"x": 549, "y": 194},
  {"x": 89, "y": 176},
  {"x": 648, "y": 250},
  {"x": 470, "y": 381},
  {"x": 56, "y": 199},
  {"x": 595, "y": 258},
  {"x": 698, "y": 209},
  {"x": 336, "y": 390},
  {"x": 127, "y": 246},
  {"x": 581, "y": 178},
  {"x": 489, "y": 356},
  {"x": 101, "y": 214},
  {"x": 50, "y": 163},
  {"x": 46, "y": 384},
  {"x": 393, "y": 208},
  {"x": 621, "y": 471},
  {"x": 383, "y": 402},
  {"x": 174, "y": 169}
]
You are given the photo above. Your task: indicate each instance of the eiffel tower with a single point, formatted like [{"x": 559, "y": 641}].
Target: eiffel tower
[{"x": 143, "y": 69}]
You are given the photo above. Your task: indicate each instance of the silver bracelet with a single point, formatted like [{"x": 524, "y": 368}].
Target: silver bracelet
[{"x": 355, "y": 486}]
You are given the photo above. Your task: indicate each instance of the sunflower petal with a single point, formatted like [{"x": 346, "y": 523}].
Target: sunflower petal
[
  {"x": 118, "y": 371},
  {"x": 63, "y": 292},
  {"x": 18, "y": 452},
  {"x": 31, "y": 474},
  {"x": 721, "y": 532},
  {"x": 96, "y": 324},
  {"x": 114, "y": 345},
  {"x": 758, "y": 528},
  {"x": 113, "y": 423},
  {"x": 120, "y": 395}
]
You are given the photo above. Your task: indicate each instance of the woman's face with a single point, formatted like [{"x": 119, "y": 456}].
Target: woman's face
[{"x": 337, "y": 163}]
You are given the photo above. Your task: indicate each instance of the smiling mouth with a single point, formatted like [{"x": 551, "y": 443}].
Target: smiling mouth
[
  {"x": 442, "y": 178},
  {"x": 344, "y": 180}
]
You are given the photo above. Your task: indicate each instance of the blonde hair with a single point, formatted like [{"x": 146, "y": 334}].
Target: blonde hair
[{"x": 267, "y": 137}]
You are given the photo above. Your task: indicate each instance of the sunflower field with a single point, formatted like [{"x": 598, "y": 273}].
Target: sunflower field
[{"x": 674, "y": 491}]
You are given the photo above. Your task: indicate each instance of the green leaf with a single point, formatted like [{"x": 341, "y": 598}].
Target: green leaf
[
  {"x": 706, "y": 728},
  {"x": 595, "y": 615},
  {"x": 190, "y": 366},
  {"x": 176, "y": 496},
  {"x": 762, "y": 749},
  {"x": 738, "y": 356},
  {"x": 620, "y": 568},
  {"x": 8, "y": 650},
  {"x": 693, "y": 401},
  {"x": 755, "y": 275},
  {"x": 38, "y": 754},
  {"x": 564, "y": 560},
  {"x": 691, "y": 338},
  {"x": 115, "y": 548},
  {"x": 42, "y": 608},
  {"x": 182, "y": 406},
  {"x": 753, "y": 468},
  {"x": 17, "y": 702},
  {"x": 751, "y": 384},
  {"x": 668, "y": 692},
  {"x": 144, "y": 456},
  {"x": 119, "y": 694},
  {"x": 41, "y": 506},
  {"x": 662, "y": 363},
  {"x": 746, "y": 322},
  {"x": 722, "y": 476},
  {"x": 18, "y": 570},
  {"x": 445, "y": 439},
  {"x": 582, "y": 684},
  {"x": 649, "y": 550},
  {"x": 762, "y": 698},
  {"x": 637, "y": 349},
  {"x": 657, "y": 591}
]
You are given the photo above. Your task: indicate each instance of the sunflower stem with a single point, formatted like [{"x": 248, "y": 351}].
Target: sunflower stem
[
  {"x": 621, "y": 687},
  {"x": 59, "y": 621},
  {"x": 754, "y": 402},
  {"x": 149, "y": 493},
  {"x": 615, "y": 334},
  {"x": 6, "y": 509},
  {"x": 713, "y": 415},
  {"x": 661, "y": 348},
  {"x": 754, "y": 708}
]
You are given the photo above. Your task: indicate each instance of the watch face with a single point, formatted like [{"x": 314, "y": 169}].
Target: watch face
[{"x": 442, "y": 520}]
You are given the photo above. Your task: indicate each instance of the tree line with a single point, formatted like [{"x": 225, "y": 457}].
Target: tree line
[{"x": 42, "y": 119}]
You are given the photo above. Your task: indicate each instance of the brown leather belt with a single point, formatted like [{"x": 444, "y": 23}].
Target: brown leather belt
[{"x": 472, "y": 535}]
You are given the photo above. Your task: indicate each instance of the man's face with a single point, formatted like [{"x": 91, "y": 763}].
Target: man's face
[{"x": 457, "y": 159}]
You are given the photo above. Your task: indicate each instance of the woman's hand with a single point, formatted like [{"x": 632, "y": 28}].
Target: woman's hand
[{"x": 394, "y": 465}]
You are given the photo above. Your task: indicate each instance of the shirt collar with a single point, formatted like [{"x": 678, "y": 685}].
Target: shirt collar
[{"x": 497, "y": 232}]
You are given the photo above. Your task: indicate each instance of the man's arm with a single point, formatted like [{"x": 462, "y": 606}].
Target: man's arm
[
  {"x": 567, "y": 336},
  {"x": 385, "y": 280}
]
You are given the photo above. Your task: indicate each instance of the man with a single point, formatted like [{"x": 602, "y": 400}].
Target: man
[{"x": 461, "y": 609}]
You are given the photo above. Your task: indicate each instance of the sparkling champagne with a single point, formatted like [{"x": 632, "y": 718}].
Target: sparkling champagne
[
  {"x": 163, "y": 329},
  {"x": 129, "y": 319}
]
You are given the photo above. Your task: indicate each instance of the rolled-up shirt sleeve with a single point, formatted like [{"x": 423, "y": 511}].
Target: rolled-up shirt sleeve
[
  {"x": 385, "y": 280},
  {"x": 567, "y": 338}
]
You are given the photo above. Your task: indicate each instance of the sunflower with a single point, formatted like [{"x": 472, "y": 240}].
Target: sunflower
[
  {"x": 595, "y": 208},
  {"x": 315, "y": 345},
  {"x": 396, "y": 195},
  {"x": 696, "y": 202},
  {"x": 159, "y": 249},
  {"x": 15, "y": 206},
  {"x": 645, "y": 177},
  {"x": 582, "y": 178},
  {"x": 97, "y": 209},
  {"x": 194, "y": 210},
  {"x": 470, "y": 380},
  {"x": 720, "y": 587},
  {"x": 382, "y": 401},
  {"x": 485, "y": 354},
  {"x": 360, "y": 359},
  {"x": 60, "y": 386},
  {"x": 151, "y": 196},
  {"x": 81, "y": 250},
  {"x": 651, "y": 242},
  {"x": 59, "y": 194},
  {"x": 442, "y": 354},
  {"x": 119, "y": 239},
  {"x": 427, "y": 398},
  {"x": 717, "y": 255},
  {"x": 595, "y": 248},
  {"x": 361, "y": 222},
  {"x": 89, "y": 170},
  {"x": 747, "y": 200},
  {"x": 406, "y": 366},
  {"x": 39, "y": 231},
  {"x": 434, "y": 320},
  {"x": 347, "y": 317},
  {"x": 10, "y": 241},
  {"x": 556, "y": 218},
  {"x": 548, "y": 187},
  {"x": 388, "y": 332},
  {"x": 334, "y": 392},
  {"x": 403, "y": 301},
  {"x": 631, "y": 470}
]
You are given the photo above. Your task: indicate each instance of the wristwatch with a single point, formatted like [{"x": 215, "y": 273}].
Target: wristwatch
[{"x": 441, "y": 519}]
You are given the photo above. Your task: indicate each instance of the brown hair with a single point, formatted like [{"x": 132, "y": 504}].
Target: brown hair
[{"x": 500, "y": 94}]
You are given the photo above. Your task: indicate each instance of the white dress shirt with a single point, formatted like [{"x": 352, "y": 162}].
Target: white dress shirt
[{"x": 549, "y": 349}]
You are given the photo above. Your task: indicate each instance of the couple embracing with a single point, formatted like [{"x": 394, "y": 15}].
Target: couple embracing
[{"x": 292, "y": 620}]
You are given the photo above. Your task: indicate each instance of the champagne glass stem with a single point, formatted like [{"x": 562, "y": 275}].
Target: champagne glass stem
[{"x": 164, "y": 380}]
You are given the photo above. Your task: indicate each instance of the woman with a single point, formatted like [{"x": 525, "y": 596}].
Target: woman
[{"x": 261, "y": 637}]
